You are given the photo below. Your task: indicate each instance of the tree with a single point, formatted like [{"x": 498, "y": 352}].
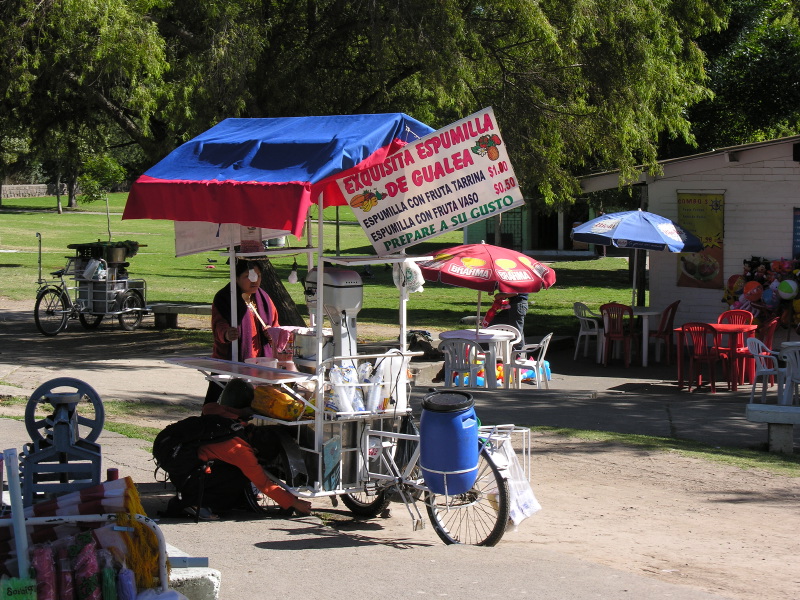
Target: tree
[
  {"x": 575, "y": 84},
  {"x": 754, "y": 71},
  {"x": 100, "y": 175},
  {"x": 69, "y": 63},
  {"x": 13, "y": 148}
]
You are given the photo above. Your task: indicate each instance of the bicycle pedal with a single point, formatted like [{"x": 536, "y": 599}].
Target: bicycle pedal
[{"x": 370, "y": 488}]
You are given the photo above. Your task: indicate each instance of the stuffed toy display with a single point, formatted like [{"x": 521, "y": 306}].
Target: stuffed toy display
[{"x": 766, "y": 288}]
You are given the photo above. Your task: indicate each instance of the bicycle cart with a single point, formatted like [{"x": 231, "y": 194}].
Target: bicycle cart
[
  {"x": 369, "y": 459},
  {"x": 92, "y": 285},
  {"x": 247, "y": 181}
]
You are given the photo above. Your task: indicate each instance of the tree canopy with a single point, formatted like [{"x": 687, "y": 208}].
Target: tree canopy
[
  {"x": 575, "y": 84},
  {"x": 754, "y": 74}
]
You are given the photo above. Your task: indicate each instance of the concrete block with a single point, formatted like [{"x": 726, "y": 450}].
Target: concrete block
[
  {"x": 781, "y": 438},
  {"x": 780, "y": 422},
  {"x": 773, "y": 413},
  {"x": 196, "y": 583}
]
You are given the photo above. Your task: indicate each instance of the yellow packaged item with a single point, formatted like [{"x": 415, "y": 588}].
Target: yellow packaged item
[{"x": 271, "y": 402}]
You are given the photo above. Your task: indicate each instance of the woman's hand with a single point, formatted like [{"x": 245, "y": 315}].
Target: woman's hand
[{"x": 231, "y": 334}]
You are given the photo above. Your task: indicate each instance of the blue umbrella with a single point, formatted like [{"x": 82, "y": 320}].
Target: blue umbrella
[{"x": 637, "y": 229}]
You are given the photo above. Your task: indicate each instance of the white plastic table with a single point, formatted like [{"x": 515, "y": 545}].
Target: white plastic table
[{"x": 492, "y": 337}]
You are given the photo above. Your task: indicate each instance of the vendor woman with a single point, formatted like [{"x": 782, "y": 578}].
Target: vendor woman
[{"x": 255, "y": 313}]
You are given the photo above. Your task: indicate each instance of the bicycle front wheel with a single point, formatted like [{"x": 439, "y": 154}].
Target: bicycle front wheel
[
  {"x": 364, "y": 506},
  {"x": 51, "y": 312},
  {"x": 131, "y": 304},
  {"x": 477, "y": 517}
]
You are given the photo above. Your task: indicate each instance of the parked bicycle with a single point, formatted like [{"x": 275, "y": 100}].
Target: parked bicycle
[{"x": 101, "y": 289}]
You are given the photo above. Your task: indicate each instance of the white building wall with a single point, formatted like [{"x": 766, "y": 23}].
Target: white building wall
[{"x": 760, "y": 190}]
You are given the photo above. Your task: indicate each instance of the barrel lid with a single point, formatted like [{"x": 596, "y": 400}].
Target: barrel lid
[{"x": 447, "y": 401}]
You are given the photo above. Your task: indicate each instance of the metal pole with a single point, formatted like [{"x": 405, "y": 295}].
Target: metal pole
[{"x": 17, "y": 511}]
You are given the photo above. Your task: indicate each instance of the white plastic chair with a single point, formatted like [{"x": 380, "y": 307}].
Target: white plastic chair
[
  {"x": 462, "y": 358},
  {"x": 767, "y": 367},
  {"x": 513, "y": 370},
  {"x": 590, "y": 327},
  {"x": 504, "y": 350},
  {"x": 792, "y": 357}
]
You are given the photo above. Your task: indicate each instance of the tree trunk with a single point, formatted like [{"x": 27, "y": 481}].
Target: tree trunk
[
  {"x": 58, "y": 194},
  {"x": 288, "y": 313},
  {"x": 71, "y": 200}
]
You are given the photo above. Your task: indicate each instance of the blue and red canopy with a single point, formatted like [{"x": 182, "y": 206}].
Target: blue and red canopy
[{"x": 266, "y": 172}]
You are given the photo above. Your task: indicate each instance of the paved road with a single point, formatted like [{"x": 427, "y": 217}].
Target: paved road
[
  {"x": 301, "y": 557},
  {"x": 278, "y": 558}
]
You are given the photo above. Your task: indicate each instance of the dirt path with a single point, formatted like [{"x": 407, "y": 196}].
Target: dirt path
[{"x": 679, "y": 519}]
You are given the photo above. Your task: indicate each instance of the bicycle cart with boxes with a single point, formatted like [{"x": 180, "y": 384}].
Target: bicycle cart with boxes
[
  {"x": 346, "y": 414},
  {"x": 94, "y": 284}
]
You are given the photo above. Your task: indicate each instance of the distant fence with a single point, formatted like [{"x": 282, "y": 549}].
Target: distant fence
[{"x": 32, "y": 191}]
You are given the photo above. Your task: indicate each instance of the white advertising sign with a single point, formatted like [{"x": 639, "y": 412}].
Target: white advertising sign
[{"x": 455, "y": 176}]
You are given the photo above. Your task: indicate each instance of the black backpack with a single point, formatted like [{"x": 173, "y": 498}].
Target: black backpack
[{"x": 175, "y": 448}]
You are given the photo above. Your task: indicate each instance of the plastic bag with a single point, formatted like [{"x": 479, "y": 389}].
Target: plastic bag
[
  {"x": 521, "y": 498},
  {"x": 408, "y": 277},
  {"x": 126, "y": 584},
  {"x": 347, "y": 397},
  {"x": 156, "y": 595},
  {"x": 43, "y": 563},
  {"x": 87, "y": 573},
  {"x": 66, "y": 578},
  {"x": 372, "y": 393},
  {"x": 271, "y": 402},
  {"x": 17, "y": 588},
  {"x": 108, "y": 575}
]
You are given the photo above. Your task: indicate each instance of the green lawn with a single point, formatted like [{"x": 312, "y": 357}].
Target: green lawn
[{"x": 190, "y": 278}]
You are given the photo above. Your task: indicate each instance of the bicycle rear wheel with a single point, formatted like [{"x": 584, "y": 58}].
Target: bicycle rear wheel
[
  {"x": 51, "y": 312},
  {"x": 260, "y": 503},
  {"x": 478, "y": 516},
  {"x": 132, "y": 304}
]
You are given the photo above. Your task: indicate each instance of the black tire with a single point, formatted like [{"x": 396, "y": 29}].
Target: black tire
[
  {"x": 51, "y": 312},
  {"x": 90, "y": 321},
  {"x": 366, "y": 507},
  {"x": 477, "y": 517},
  {"x": 132, "y": 304},
  {"x": 260, "y": 503}
]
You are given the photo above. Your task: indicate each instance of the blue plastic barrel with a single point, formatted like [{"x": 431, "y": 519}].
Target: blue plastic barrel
[{"x": 448, "y": 442}]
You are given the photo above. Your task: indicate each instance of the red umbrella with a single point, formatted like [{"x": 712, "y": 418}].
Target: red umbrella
[{"x": 488, "y": 268}]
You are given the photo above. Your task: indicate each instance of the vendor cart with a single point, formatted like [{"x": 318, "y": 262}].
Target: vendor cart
[
  {"x": 93, "y": 284},
  {"x": 250, "y": 180}
]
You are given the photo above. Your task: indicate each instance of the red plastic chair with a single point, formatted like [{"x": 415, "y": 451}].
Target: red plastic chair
[
  {"x": 618, "y": 327},
  {"x": 664, "y": 333},
  {"x": 736, "y": 317},
  {"x": 699, "y": 342},
  {"x": 766, "y": 333}
]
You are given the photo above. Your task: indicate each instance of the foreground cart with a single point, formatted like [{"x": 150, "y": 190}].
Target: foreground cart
[
  {"x": 370, "y": 459},
  {"x": 246, "y": 181}
]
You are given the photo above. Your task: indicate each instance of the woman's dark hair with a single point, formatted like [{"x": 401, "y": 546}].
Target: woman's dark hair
[{"x": 242, "y": 266}]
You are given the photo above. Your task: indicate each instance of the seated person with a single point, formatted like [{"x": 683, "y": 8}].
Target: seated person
[{"x": 234, "y": 403}]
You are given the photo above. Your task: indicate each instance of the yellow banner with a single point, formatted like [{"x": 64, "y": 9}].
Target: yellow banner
[{"x": 704, "y": 215}]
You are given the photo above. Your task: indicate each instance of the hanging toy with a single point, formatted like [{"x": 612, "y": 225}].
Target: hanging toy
[{"x": 497, "y": 305}]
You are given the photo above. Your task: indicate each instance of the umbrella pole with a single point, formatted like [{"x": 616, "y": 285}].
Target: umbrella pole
[{"x": 635, "y": 273}]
